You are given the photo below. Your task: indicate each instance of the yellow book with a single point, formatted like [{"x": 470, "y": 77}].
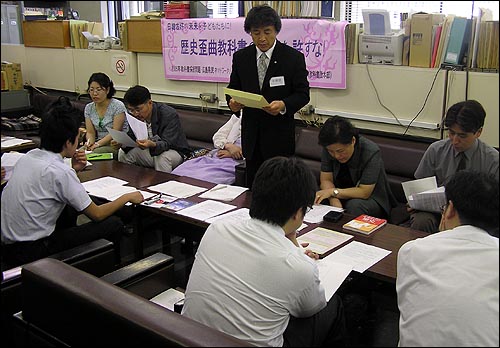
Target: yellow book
[{"x": 250, "y": 100}]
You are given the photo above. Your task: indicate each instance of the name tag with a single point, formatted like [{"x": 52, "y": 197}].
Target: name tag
[{"x": 277, "y": 81}]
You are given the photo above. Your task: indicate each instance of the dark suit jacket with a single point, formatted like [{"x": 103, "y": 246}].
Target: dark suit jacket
[{"x": 272, "y": 135}]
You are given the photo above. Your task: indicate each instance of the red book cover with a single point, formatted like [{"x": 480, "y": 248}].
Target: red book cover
[
  {"x": 365, "y": 224},
  {"x": 436, "y": 45}
]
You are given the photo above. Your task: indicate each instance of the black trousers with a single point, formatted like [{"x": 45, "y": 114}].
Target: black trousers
[
  {"x": 327, "y": 328},
  {"x": 65, "y": 236}
]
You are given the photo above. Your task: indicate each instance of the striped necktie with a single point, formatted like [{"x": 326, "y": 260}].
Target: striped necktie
[{"x": 261, "y": 68}]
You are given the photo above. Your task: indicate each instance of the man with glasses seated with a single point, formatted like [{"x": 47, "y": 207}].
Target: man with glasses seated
[
  {"x": 166, "y": 146},
  {"x": 104, "y": 111},
  {"x": 462, "y": 150}
]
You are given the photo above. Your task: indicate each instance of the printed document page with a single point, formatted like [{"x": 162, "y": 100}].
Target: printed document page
[
  {"x": 121, "y": 137},
  {"x": 206, "y": 209},
  {"x": 138, "y": 127},
  {"x": 11, "y": 141},
  {"x": 332, "y": 275},
  {"x": 168, "y": 298},
  {"x": 415, "y": 186},
  {"x": 360, "y": 255},
  {"x": 250, "y": 100},
  {"x": 102, "y": 183},
  {"x": 224, "y": 192},
  {"x": 322, "y": 239},
  {"x": 431, "y": 200},
  {"x": 315, "y": 215},
  {"x": 177, "y": 189},
  {"x": 235, "y": 215}
]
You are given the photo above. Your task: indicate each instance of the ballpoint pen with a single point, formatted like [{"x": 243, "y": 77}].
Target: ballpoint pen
[{"x": 153, "y": 199}]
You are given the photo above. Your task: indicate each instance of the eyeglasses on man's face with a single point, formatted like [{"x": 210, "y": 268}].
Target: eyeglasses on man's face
[
  {"x": 443, "y": 208},
  {"x": 308, "y": 209},
  {"x": 135, "y": 110}
]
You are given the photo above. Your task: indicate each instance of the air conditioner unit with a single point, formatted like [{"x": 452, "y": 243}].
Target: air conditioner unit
[{"x": 381, "y": 49}]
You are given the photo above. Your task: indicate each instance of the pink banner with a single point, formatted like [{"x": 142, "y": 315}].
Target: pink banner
[{"x": 201, "y": 49}]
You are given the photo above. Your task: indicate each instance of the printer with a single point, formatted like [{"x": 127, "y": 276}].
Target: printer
[
  {"x": 379, "y": 44},
  {"x": 381, "y": 49}
]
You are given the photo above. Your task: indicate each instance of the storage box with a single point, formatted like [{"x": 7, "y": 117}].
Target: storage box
[
  {"x": 421, "y": 38},
  {"x": 144, "y": 35},
  {"x": 50, "y": 33},
  {"x": 13, "y": 76}
]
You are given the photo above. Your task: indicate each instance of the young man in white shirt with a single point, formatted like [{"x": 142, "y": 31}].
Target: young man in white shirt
[
  {"x": 447, "y": 283},
  {"x": 251, "y": 279}
]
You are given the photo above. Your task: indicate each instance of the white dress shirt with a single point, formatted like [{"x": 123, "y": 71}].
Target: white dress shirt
[
  {"x": 248, "y": 278},
  {"x": 447, "y": 288},
  {"x": 40, "y": 187}
]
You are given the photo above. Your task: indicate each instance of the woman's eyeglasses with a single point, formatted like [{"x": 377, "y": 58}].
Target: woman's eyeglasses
[{"x": 95, "y": 90}]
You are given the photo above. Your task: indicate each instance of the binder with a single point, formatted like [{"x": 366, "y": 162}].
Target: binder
[{"x": 458, "y": 41}]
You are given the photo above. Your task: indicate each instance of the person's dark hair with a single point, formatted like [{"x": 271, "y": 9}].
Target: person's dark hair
[
  {"x": 475, "y": 197},
  {"x": 281, "y": 186},
  {"x": 337, "y": 130},
  {"x": 60, "y": 123},
  {"x": 104, "y": 81},
  {"x": 468, "y": 115},
  {"x": 136, "y": 96},
  {"x": 262, "y": 16}
]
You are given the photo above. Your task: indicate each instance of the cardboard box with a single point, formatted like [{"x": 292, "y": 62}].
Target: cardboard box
[
  {"x": 51, "y": 34},
  {"x": 143, "y": 35},
  {"x": 421, "y": 38},
  {"x": 13, "y": 76}
]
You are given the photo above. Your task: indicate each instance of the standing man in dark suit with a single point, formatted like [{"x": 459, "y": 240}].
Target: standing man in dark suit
[{"x": 270, "y": 131}]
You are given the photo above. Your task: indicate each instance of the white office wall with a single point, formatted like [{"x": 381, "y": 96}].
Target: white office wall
[
  {"x": 401, "y": 89},
  {"x": 119, "y": 65}
]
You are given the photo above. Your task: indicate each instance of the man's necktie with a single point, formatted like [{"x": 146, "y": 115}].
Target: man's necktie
[
  {"x": 461, "y": 164},
  {"x": 261, "y": 68}
]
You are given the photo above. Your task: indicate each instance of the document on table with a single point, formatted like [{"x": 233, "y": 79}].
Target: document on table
[
  {"x": 332, "y": 274},
  {"x": 224, "y": 192},
  {"x": 121, "y": 137},
  {"x": 322, "y": 240},
  {"x": 9, "y": 160},
  {"x": 206, "y": 209},
  {"x": 102, "y": 183},
  {"x": 360, "y": 255},
  {"x": 11, "y": 142},
  {"x": 251, "y": 100},
  {"x": 177, "y": 189},
  {"x": 168, "y": 298},
  {"x": 139, "y": 127},
  {"x": 235, "y": 215},
  {"x": 112, "y": 192},
  {"x": 315, "y": 215}
]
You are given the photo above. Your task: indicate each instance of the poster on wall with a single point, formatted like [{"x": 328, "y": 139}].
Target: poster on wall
[{"x": 200, "y": 49}]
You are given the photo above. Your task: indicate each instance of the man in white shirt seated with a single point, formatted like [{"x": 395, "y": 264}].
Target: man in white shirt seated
[
  {"x": 447, "y": 283},
  {"x": 251, "y": 279}
]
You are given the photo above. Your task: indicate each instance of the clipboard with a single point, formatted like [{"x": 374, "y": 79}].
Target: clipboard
[{"x": 250, "y": 100}]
